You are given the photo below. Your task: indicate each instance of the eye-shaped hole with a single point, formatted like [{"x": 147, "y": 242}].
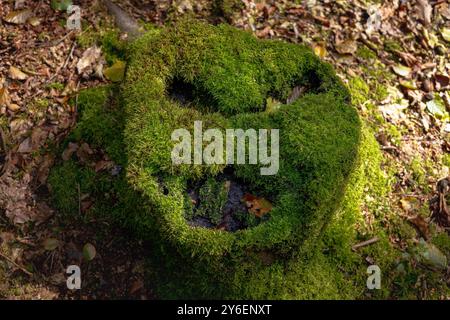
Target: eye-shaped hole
[
  {"x": 191, "y": 95},
  {"x": 309, "y": 83},
  {"x": 188, "y": 95}
]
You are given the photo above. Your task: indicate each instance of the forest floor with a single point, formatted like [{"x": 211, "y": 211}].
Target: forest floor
[{"x": 393, "y": 55}]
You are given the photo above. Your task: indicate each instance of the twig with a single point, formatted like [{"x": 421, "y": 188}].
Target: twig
[
  {"x": 15, "y": 264},
  {"x": 65, "y": 63},
  {"x": 365, "y": 243},
  {"x": 54, "y": 43}
]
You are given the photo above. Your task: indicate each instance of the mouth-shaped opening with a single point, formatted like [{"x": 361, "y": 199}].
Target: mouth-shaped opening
[{"x": 225, "y": 202}]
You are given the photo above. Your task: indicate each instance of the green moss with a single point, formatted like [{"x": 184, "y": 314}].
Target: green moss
[
  {"x": 56, "y": 85},
  {"x": 419, "y": 170},
  {"x": 359, "y": 90},
  {"x": 366, "y": 53},
  {"x": 442, "y": 241},
  {"x": 446, "y": 160},
  {"x": 100, "y": 122},
  {"x": 381, "y": 92},
  {"x": 392, "y": 46},
  {"x": 394, "y": 133}
]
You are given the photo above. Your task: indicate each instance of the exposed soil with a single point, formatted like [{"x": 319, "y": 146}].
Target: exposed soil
[{"x": 235, "y": 214}]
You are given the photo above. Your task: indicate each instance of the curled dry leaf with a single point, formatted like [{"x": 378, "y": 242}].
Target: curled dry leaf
[
  {"x": 347, "y": 47},
  {"x": 69, "y": 151},
  {"x": 425, "y": 10},
  {"x": 421, "y": 225},
  {"x": 374, "y": 20},
  {"x": 18, "y": 17},
  {"x": 34, "y": 21},
  {"x": 136, "y": 286},
  {"x": 84, "y": 152},
  {"x": 88, "y": 59},
  {"x": 257, "y": 206},
  {"x": 103, "y": 165},
  {"x": 320, "y": 49},
  {"x": 402, "y": 71},
  {"x": 442, "y": 79},
  {"x": 4, "y": 97},
  {"x": 50, "y": 244},
  {"x": 25, "y": 146},
  {"x": 17, "y": 74},
  {"x": 445, "y": 32}
]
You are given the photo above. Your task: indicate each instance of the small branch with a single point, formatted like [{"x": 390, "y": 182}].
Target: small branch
[
  {"x": 15, "y": 264},
  {"x": 365, "y": 243}
]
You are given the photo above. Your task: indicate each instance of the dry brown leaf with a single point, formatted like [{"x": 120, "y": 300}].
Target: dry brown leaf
[
  {"x": 422, "y": 226},
  {"x": 103, "y": 165},
  {"x": 347, "y": 47},
  {"x": 136, "y": 286},
  {"x": 264, "y": 32},
  {"x": 4, "y": 97},
  {"x": 91, "y": 56},
  {"x": 84, "y": 152},
  {"x": 425, "y": 11},
  {"x": 68, "y": 152},
  {"x": 18, "y": 17},
  {"x": 257, "y": 206},
  {"x": 17, "y": 74},
  {"x": 25, "y": 146}
]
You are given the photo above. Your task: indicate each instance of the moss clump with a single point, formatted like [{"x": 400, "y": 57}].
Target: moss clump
[
  {"x": 235, "y": 74},
  {"x": 231, "y": 74}
]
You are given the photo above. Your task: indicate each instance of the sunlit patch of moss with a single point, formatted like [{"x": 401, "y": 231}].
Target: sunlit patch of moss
[
  {"x": 108, "y": 38},
  {"x": 366, "y": 53},
  {"x": 381, "y": 92},
  {"x": 446, "y": 160},
  {"x": 420, "y": 170},
  {"x": 359, "y": 90},
  {"x": 56, "y": 85},
  {"x": 100, "y": 122},
  {"x": 394, "y": 133},
  {"x": 391, "y": 45},
  {"x": 42, "y": 103}
]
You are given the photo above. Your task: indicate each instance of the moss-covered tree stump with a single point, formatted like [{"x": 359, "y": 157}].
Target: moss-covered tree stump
[{"x": 231, "y": 76}]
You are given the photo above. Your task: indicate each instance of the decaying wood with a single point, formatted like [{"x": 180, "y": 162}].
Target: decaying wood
[
  {"x": 124, "y": 22},
  {"x": 440, "y": 212},
  {"x": 365, "y": 243}
]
